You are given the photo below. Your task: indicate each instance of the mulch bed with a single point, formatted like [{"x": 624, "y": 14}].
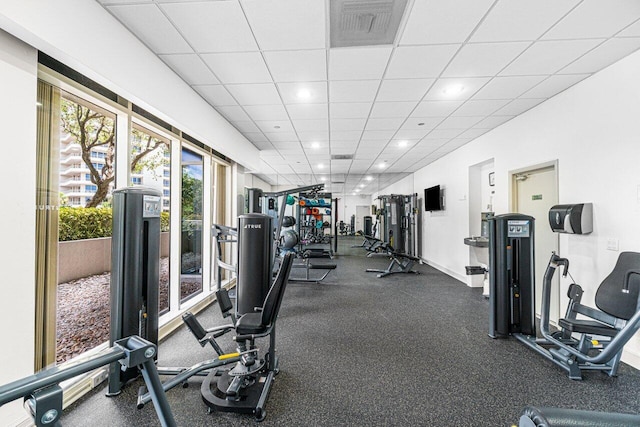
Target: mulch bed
[{"x": 83, "y": 311}]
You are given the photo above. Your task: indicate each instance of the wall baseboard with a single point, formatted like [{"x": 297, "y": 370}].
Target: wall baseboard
[{"x": 446, "y": 271}]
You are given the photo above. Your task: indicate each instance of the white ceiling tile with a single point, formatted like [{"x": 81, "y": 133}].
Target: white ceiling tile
[
  {"x": 233, "y": 113},
  {"x": 385, "y": 124},
  {"x": 244, "y": 126},
  {"x": 308, "y": 111},
  {"x": 595, "y": 18},
  {"x": 481, "y": 107},
  {"x": 191, "y": 68},
  {"x": 358, "y": 63},
  {"x": 507, "y": 87},
  {"x": 459, "y": 122},
  {"x": 255, "y": 94},
  {"x": 372, "y": 145},
  {"x": 282, "y": 137},
  {"x": 452, "y": 21},
  {"x": 631, "y": 31},
  {"x": 256, "y": 137},
  {"x": 353, "y": 91},
  {"x": 313, "y": 136},
  {"x": 316, "y": 91},
  {"x": 297, "y": 65},
  {"x": 349, "y": 110},
  {"x": 150, "y": 25},
  {"x": 287, "y": 24},
  {"x": 492, "y": 122},
  {"x": 483, "y": 59},
  {"x": 412, "y": 133},
  {"x": 403, "y": 90},
  {"x": 215, "y": 95},
  {"x": 409, "y": 62},
  {"x": 345, "y": 135},
  {"x": 547, "y": 57},
  {"x": 238, "y": 67},
  {"x": 392, "y": 109},
  {"x": 347, "y": 124},
  {"x": 471, "y": 133},
  {"x": 418, "y": 123},
  {"x": 602, "y": 56},
  {"x": 384, "y": 135},
  {"x": 470, "y": 86},
  {"x": 276, "y": 126},
  {"x": 311, "y": 125},
  {"x": 518, "y": 106},
  {"x": 518, "y": 20},
  {"x": 435, "y": 108},
  {"x": 266, "y": 112},
  {"x": 443, "y": 133},
  {"x": 218, "y": 26},
  {"x": 554, "y": 85}
]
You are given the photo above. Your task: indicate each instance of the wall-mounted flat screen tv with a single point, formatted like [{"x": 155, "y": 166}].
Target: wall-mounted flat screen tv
[{"x": 432, "y": 199}]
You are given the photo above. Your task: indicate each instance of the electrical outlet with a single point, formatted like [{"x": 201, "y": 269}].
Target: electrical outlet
[
  {"x": 99, "y": 377},
  {"x": 612, "y": 244}
]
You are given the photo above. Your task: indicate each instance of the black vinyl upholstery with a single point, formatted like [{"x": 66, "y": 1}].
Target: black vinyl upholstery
[
  {"x": 587, "y": 327},
  {"x": 610, "y": 298},
  {"x": 258, "y": 323},
  {"x": 559, "y": 417}
]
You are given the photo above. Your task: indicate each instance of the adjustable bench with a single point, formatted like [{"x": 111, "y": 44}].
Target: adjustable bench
[{"x": 400, "y": 263}]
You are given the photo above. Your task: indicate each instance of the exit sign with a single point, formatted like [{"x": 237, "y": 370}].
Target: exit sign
[{"x": 536, "y": 197}]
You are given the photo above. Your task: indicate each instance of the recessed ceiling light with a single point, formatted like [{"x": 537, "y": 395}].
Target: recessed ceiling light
[
  {"x": 361, "y": 185},
  {"x": 453, "y": 89},
  {"x": 315, "y": 145},
  {"x": 303, "y": 94},
  {"x": 357, "y": 190},
  {"x": 353, "y": 194},
  {"x": 320, "y": 166},
  {"x": 403, "y": 143},
  {"x": 382, "y": 165},
  {"x": 369, "y": 178},
  {"x": 322, "y": 178}
]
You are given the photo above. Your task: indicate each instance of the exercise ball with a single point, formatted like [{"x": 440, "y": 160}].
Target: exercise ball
[
  {"x": 288, "y": 239},
  {"x": 288, "y": 221}
]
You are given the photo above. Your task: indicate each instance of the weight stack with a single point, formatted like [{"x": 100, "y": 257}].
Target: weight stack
[{"x": 255, "y": 243}]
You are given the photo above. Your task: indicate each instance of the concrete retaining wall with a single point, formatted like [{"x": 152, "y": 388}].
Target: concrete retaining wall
[{"x": 82, "y": 258}]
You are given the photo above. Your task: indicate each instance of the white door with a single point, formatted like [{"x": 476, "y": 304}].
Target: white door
[
  {"x": 535, "y": 192},
  {"x": 361, "y": 212}
]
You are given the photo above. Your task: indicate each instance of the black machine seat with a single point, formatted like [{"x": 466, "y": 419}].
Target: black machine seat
[
  {"x": 323, "y": 266},
  {"x": 611, "y": 296},
  {"x": 261, "y": 322},
  {"x": 587, "y": 327}
]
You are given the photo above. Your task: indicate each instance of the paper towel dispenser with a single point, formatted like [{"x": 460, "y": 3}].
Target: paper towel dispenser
[{"x": 573, "y": 219}]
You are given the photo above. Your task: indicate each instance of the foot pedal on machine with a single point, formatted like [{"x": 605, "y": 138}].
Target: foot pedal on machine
[{"x": 246, "y": 394}]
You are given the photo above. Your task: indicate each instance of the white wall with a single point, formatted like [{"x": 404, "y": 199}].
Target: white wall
[
  {"x": 593, "y": 130},
  {"x": 17, "y": 224},
  {"x": 84, "y": 36},
  {"x": 347, "y": 206}
]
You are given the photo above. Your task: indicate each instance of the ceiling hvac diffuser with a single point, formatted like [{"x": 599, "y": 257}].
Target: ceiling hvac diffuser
[{"x": 365, "y": 23}]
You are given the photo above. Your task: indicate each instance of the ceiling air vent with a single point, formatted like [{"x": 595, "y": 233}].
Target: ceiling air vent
[
  {"x": 365, "y": 22},
  {"x": 342, "y": 157}
]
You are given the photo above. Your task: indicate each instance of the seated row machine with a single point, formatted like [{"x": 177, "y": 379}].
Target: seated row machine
[{"x": 588, "y": 338}]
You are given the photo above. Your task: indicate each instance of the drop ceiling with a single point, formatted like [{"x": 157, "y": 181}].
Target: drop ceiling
[{"x": 456, "y": 70}]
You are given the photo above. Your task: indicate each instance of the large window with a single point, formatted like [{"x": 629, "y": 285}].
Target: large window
[
  {"x": 89, "y": 144},
  {"x": 150, "y": 161},
  {"x": 191, "y": 234}
]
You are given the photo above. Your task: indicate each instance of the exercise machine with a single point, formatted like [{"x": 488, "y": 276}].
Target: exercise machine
[
  {"x": 560, "y": 417},
  {"x": 246, "y": 387},
  {"x": 588, "y": 339},
  {"x": 400, "y": 262},
  {"x": 43, "y": 394},
  {"x": 135, "y": 272},
  {"x": 399, "y": 216},
  {"x": 222, "y": 235}
]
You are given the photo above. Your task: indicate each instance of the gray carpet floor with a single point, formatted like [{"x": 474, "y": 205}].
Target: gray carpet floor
[{"x": 358, "y": 350}]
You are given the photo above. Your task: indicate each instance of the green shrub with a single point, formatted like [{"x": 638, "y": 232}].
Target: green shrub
[
  {"x": 84, "y": 223},
  {"x": 164, "y": 221},
  {"x": 91, "y": 223}
]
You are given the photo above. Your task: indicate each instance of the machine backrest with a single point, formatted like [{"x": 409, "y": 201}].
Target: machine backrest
[
  {"x": 276, "y": 293},
  {"x": 610, "y": 298}
]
